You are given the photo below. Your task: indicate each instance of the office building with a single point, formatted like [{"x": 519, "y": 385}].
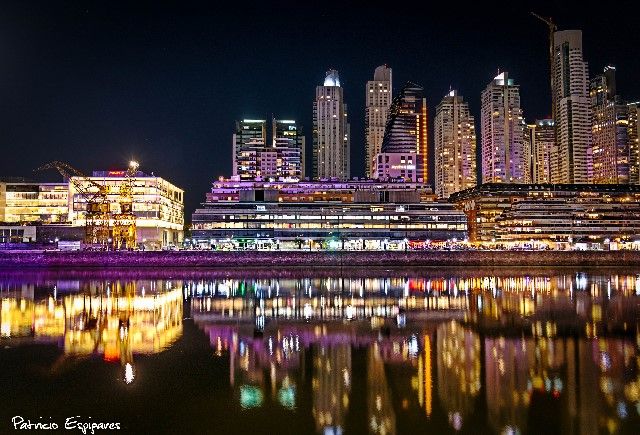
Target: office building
[
  {"x": 610, "y": 130},
  {"x": 406, "y": 129},
  {"x": 543, "y": 150},
  {"x": 331, "y": 135},
  {"x": 573, "y": 118},
  {"x": 505, "y": 157},
  {"x": 23, "y": 202},
  {"x": 455, "y": 146},
  {"x": 634, "y": 144},
  {"x": 259, "y": 153},
  {"x": 377, "y": 102},
  {"x": 157, "y": 204},
  {"x": 355, "y": 214}
]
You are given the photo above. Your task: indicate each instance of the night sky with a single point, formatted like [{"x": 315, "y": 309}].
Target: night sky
[{"x": 97, "y": 84}]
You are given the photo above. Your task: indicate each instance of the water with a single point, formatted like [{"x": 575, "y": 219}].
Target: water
[{"x": 327, "y": 351}]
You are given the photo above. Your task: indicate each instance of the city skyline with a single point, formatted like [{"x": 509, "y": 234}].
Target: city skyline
[{"x": 170, "y": 95}]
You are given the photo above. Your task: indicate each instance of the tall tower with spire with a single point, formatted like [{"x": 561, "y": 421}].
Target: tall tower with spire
[{"x": 331, "y": 135}]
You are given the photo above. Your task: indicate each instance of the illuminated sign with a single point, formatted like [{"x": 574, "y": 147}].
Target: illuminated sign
[{"x": 410, "y": 167}]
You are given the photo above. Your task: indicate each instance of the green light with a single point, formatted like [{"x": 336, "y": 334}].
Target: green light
[
  {"x": 287, "y": 397},
  {"x": 250, "y": 396}
]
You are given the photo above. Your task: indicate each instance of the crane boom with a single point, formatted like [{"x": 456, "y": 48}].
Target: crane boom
[{"x": 97, "y": 213}]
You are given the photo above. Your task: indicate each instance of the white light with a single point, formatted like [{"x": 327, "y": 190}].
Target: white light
[{"x": 129, "y": 376}]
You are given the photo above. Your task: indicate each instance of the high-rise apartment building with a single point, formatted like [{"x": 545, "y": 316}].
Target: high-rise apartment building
[
  {"x": 505, "y": 157},
  {"x": 609, "y": 127},
  {"x": 331, "y": 135},
  {"x": 573, "y": 119},
  {"x": 634, "y": 144},
  {"x": 544, "y": 152},
  {"x": 377, "y": 102},
  {"x": 455, "y": 146},
  {"x": 279, "y": 154},
  {"x": 406, "y": 130}
]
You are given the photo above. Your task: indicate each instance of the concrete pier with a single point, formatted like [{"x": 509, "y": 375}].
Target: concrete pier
[{"x": 283, "y": 259}]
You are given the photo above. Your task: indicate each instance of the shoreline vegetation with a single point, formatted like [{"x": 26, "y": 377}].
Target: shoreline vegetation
[{"x": 347, "y": 259}]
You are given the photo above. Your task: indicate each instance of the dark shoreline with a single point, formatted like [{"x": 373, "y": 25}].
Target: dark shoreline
[{"x": 316, "y": 259}]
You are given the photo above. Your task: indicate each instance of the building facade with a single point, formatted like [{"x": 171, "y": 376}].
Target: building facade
[
  {"x": 406, "y": 129},
  {"x": 157, "y": 204},
  {"x": 23, "y": 202},
  {"x": 505, "y": 157},
  {"x": 455, "y": 146},
  {"x": 573, "y": 118},
  {"x": 634, "y": 143},
  {"x": 377, "y": 101},
  {"x": 544, "y": 152},
  {"x": 360, "y": 214},
  {"x": 279, "y": 152},
  {"x": 395, "y": 166},
  {"x": 610, "y": 130},
  {"x": 564, "y": 213},
  {"x": 331, "y": 134}
]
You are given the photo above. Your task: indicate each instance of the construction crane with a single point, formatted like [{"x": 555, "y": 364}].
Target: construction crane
[
  {"x": 124, "y": 221},
  {"x": 552, "y": 29},
  {"x": 97, "y": 211}
]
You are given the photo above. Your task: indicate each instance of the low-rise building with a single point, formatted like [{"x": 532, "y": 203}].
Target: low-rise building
[
  {"x": 571, "y": 213},
  {"x": 157, "y": 204},
  {"x": 23, "y": 201},
  {"x": 354, "y": 214}
]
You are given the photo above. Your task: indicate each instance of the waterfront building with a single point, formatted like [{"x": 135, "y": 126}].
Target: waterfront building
[
  {"x": 551, "y": 213},
  {"x": 573, "y": 119},
  {"x": 377, "y": 101},
  {"x": 341, "y": 215},
  {"x": 634, "y": 144},
  {"x": 610, "y": 130},
  {"x": 505, "y": 157},
  {"x": 455, "y": 146},
  {"x": 256, "y": 153},
  {"x": 331, "y": 134},
  {"x": 543, "y": 150},
  {"x": 23, "y": 201},
  {"x": 406, "y": 129},
  {"x": 157, "y": 204}
]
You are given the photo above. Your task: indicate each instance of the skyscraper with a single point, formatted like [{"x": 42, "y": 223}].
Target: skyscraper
[
  {"x": 455, "y": 146},
  {"x": 634, "y": 144},
  {"x": 331, "y": 136},
  {"x": 543, "y": 150},
  {"x": 378, "y": 99},
  {"x": 609, "y": 127},
  {"x": 248, "y": 141},
  {"x": 573, "y": 123},
  {"x": 278, "y": 155},
  {"x": 505, "y": 157},
  {"x": 289, "y": 143},
  {"x": 406, "y": 129}
]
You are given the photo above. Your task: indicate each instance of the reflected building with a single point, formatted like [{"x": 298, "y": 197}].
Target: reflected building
[
  {"x": 459, "y": 371},
  {"x": 506, "y": 383},
  {"x": 331, "y": 384},
  {"x": 382, "y": 418},
  {"x": 114, "y": 320}
]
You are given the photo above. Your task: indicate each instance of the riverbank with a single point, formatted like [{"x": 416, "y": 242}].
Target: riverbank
[{"x": 268, "y": 259}]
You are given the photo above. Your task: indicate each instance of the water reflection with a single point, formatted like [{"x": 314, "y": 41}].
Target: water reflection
[
  {"x": 113, "y": 320},
  {"x": 525, "y": 353}
]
